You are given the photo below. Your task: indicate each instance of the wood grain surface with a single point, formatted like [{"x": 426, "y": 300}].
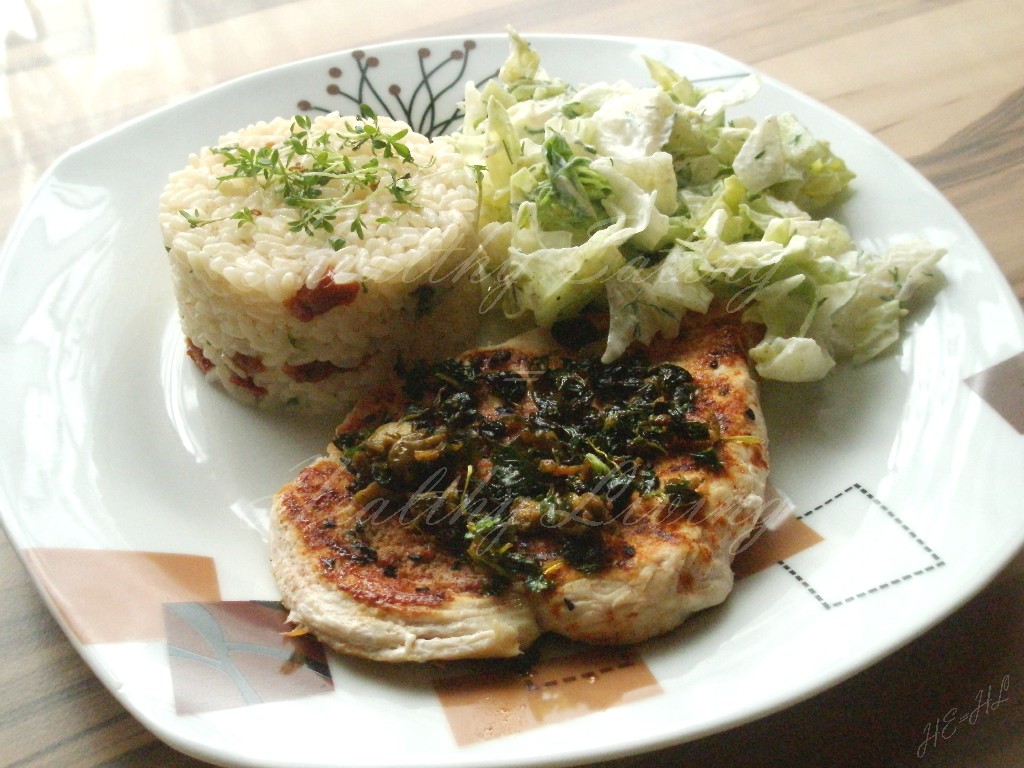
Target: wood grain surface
[{"x": 940, "y": 81}]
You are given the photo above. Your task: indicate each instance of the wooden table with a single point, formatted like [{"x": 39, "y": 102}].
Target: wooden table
[{"x": 74, "y": 68}]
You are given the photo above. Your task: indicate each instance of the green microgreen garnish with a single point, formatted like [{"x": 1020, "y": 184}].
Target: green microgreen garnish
[{"x": 322, "y": 173}]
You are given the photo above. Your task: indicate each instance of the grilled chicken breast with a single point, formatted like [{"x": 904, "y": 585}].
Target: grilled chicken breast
[{"x": 469, "y": 506}]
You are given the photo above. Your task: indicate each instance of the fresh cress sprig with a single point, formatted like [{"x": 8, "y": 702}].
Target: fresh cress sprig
[{"x": 322, "y": 173}]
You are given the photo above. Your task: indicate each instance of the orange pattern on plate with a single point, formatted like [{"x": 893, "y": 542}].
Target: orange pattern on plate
[
  {"x": 498, "y": 700},
  {"x": 114, "y": 596}
]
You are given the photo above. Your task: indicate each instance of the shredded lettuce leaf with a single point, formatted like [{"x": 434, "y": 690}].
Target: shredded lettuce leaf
[{"x": 651, "y": 202}]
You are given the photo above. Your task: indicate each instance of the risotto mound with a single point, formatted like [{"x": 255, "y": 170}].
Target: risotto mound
[{"x": 309, "y": 255}]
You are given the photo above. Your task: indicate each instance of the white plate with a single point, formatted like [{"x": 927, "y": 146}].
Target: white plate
[{"x": 109, "y": 443}]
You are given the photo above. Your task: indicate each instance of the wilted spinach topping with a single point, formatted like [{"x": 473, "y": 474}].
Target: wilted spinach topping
[{"x": 522, "y": 473}]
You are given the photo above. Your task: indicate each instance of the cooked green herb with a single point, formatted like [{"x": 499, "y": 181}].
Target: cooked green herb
[
  {"x": 349, "y": 442},
  {"x": 587, "y": 554},
  {"x": 508, "y": 385},
  {"x": 566, "y": 453},
  {"x": 708, "y": 457},
  {"x": 681, "y": 493}
]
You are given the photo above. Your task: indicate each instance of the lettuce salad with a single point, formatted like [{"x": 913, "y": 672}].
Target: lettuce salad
[{"x": 649, "y": 202}]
